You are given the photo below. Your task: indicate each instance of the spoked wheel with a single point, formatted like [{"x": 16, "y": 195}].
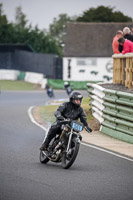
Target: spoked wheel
[
  {"x": 43, "y": 158},
  {"x": 69, "y": 158}
]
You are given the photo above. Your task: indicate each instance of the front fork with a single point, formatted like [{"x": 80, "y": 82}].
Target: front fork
[
  {"x": 69, "y": 141},
  {"x": 78, "y": 139}
]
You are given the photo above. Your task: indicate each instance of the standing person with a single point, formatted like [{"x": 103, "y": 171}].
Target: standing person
[
  {"x": 71, "y": 110},
  {"x": 115, "y": 44},
  {"x": 126, "y": 35},
  {"x": 126, "y": 44}
]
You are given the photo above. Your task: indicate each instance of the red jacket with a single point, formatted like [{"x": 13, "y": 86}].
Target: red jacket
[
  {"x": 115, "y": 45},
  {"x": 127, "y": 47}
]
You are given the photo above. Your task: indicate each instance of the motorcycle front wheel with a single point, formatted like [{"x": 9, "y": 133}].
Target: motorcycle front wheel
[
  {"x": 69, "y": 158},
  {"x": 43, "y": 158}
]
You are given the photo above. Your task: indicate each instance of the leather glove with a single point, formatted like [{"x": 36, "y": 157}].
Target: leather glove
[
  {"x": 60, "y": 118},
  {"x": 88, "y": 129}
]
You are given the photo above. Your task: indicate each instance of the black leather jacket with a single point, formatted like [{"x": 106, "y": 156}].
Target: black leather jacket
[{"x": 71, "y": 111}]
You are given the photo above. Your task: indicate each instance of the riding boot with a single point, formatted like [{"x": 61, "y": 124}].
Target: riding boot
[
  {"x": 45, "y": 144},
  {"x": 50, "y": 135}
]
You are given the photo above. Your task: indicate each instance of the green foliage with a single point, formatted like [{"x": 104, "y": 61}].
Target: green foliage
[
  {"x": 103, "y": 14},
  {"x": 47, "y": 112},
  {"x": 87, "y": 108},
  {"x": 57, "y": 28},
  {"x": 3, "y": 19},
  {"x": 5, "y": 28},
  {"x": 21, "y": 20},
  {"x": 50, "y": 42},
  {"x": 21, "y": 33}
]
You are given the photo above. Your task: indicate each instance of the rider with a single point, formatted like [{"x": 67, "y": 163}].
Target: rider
[
  {"x": 67, "y": 87},
  {"x": 69, "y": 110}
]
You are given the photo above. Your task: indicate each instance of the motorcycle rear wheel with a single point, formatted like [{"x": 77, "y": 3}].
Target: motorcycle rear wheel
[
  {"x": 68, "y": 160},
  {"x": 43, "y": 159}
]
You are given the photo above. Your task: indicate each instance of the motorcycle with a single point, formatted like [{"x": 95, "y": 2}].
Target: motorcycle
[
  {"x": 50, "y": 92},
  {"x": 69, "y": 90},
  {"x": 64, "y": 148}
]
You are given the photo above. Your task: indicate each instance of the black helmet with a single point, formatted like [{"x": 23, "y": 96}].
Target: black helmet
[{"x": 76, "y": 96}]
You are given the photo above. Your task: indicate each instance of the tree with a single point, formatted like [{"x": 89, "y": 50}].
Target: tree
[
  {"x": 20, "y": 18},
  {"x": 3, "y": 19},
  {"x": 20, "y": 32},
  {"x": 6, "y": 29},
  {"x": 38, "y": 39},
  {"x": 103, "y": 14},
  {"x": 42, "y": 42},
  {"x": 57, "y": 28}
]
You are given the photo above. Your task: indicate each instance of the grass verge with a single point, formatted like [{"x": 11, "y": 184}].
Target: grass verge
[
  {"x": 17, "y": 85},
  {"x": 47, "y": 112}
]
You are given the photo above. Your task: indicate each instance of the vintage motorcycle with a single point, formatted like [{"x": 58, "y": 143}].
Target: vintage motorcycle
[
  {"x": 50, "y": 92},
  {"x": 68, "y": 88},
  {"x": 64, "y": 148}
]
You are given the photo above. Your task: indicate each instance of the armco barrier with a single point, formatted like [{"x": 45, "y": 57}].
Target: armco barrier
[
  {"x": 114, "y": 111},
  {"x": 31, "y": 77},
  {"x": 9, "y": 74},
  {"x": 59, "y": 84}
]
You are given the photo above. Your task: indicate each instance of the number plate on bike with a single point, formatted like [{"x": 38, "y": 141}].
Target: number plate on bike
[{"x": 77, "y": 126}]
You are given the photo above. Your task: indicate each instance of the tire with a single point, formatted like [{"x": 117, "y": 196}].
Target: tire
[
  {"x": 67, "y": 161},
  {"x": 43, "y": 158}
]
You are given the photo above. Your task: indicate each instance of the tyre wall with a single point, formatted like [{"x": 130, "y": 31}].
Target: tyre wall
[{"x": 114, "y": 110}]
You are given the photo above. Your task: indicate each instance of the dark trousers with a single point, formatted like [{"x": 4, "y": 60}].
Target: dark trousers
[{"x": 54, "y": 129}]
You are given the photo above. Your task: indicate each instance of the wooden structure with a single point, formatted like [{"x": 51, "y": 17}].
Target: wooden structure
[{"x": 123, "y": 69}]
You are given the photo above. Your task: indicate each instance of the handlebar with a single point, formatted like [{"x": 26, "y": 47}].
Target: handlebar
[
  {"x": 65, "y": 121},
  {"x": 88, "y": 130}
]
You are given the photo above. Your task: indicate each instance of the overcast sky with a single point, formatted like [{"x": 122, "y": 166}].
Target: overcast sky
[{"x": 42, "y": 12}]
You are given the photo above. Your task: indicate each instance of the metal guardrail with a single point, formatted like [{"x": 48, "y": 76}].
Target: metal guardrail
[{"x": 114, "y": 111}]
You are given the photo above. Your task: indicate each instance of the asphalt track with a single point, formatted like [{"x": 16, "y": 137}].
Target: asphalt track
[{"x": 96, "y": 175}]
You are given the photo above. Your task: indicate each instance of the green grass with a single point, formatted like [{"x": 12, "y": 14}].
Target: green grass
[
  {"x": 17, "y": 85},
  {"x": 47, "y": 112},
  {"x": 87, "y": 108}
]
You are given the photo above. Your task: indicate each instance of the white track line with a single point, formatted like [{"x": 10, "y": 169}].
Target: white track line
[
  {"x": 107, "y": 151},
  {"x": 33, "y": 120},
  {"x": 89, "y": 145}
]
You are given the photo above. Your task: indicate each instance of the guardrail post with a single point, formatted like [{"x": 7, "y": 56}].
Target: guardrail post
[{"x": 123, "y": 69}]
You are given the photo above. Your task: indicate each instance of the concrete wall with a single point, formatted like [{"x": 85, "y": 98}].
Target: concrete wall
[{"x": 88, "y": 69}]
